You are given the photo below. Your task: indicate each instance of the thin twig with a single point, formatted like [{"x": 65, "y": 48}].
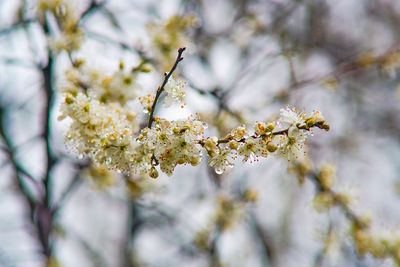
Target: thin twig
[
  {"x": 16, "y": 26},
  {"x": 47, "y": 73},
  {"x": 160, "y": 89},
  {"x": 348, "y": 212},
  {"x": 20, "y": 172},
  {"x": 72, "y": 186},
  {"x": 92, "y": 8}
]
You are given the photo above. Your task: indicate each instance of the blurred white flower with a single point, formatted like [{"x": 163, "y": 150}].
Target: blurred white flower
[{"x": 175, "y": 89}]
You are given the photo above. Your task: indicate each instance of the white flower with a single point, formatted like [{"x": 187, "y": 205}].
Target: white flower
[
  {"x": 105, "y": 129},
  {"x": 147, "y": 102},
  {"x": 292, "y": 145},
  {"x": 119, "y": 87},
  {"x": 289, "y": 118},
  {"x": 239, "y": 133},
  {"x": 103, "y": 132},
  {"x": 175, "y": 89},
  {"x": 222, "y": 161},
  {"x": 174, "y": 142},
  {"x": 253, "y": 148}
]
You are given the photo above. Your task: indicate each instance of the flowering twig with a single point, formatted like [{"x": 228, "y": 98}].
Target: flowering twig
[
  {"x": 364, "y": 240},
  {"x": 363, "y": 62},
  {"x": 339, "y": 198},
  {"x": 160, "y": 89},
  {"x": 16, "y": 26}
]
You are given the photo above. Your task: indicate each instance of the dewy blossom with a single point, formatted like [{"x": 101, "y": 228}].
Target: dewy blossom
[
  {"x": 105, "y": 133},
  {"x": 174, "y": 142},
  {"x": 289, "y": 117},
  {"x": 252, "y": 148},
  {"x": 291, "y": 145},
  {"x": 105, "y": 129},
  {"x": 298, "y": 126},
  {"x": 223, "y": 160}
]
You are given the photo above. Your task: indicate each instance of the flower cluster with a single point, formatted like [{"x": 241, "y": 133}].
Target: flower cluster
[
  {"x": 228, "y": 212},
  {"x": 286, "y": 137},
  {"x": 106, "y": 129},
  {"x": 103, "y": 127},
  {"x": 168, "y": 36},
  {"x": 70, "y": 36},
  {"x": 104, "y": 132},
  {"x": 117, "y": 87},
  {"x": 365, "y": 240},
  {"x": 174, "y": 142},
  {"x": 381, "y": 246}
]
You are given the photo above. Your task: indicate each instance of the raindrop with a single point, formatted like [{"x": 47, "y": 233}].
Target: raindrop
[{"x": 219, "y": 171}]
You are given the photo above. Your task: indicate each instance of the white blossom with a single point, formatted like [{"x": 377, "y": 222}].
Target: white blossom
[
  {"x": 222, "y": 161},
  {"x": 175, "y": 89},
  {"x": 174, "y": 142}
]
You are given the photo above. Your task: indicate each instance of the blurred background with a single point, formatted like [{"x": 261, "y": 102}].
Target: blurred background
[{"x": 245, "y": 61}]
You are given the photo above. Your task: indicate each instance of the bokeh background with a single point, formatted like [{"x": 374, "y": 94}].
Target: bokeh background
[{"x": 246, "y": 60}]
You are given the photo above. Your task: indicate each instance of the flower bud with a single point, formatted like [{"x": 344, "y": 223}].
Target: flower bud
[
  {"x": 153, "y": 173},
  {"x": 250, "y": 195},
  {"x": 270, "y": 127},
  {"x": 69, "y": 99},
  {"x": 195, "y": 161},
  {"x": 325, "y": 176},
  {"x": 233, "y": 144},
  {"x": 271, "y": 147},
  {"x": 260, "y": 128},
  {"x": 239, "y": 133}
]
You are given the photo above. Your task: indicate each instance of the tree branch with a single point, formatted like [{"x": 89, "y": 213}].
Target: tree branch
[
  {"x": 16, "y": 26},
  {"x": 160, "y": 89},
  {"x": 18, "y": 168}
]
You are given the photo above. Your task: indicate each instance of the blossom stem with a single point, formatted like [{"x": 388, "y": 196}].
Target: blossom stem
[
  {"x": 226, "y": 140},
  {"x": 160, "y": 89},
  {"x": 348, "y": 212},
  {"x": 281, "y": 132}
]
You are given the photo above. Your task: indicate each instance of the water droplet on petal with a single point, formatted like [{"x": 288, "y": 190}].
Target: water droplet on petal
[{"x": 219, "y": 171}]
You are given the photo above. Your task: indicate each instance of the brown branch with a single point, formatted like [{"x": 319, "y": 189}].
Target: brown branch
[
  {"x": 118, "y": 44},
  {"x": 71, "y": 187},
  {"x": 92, "y": 8},
  {"x": 265, "y": 240},
  {"x": 281, "y": 132},
  {"x": 348, "y": 212},
  {"x": 353, "y": 66},
  {"x": 160, "y": 89},
  {"x": 47, "y": 72},
  {"x": 19, "y": 170},
  {"x": 16, "y": 26}
]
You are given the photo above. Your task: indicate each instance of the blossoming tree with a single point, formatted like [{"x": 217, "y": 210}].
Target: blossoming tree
[{"x": 135, "y": 90}]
